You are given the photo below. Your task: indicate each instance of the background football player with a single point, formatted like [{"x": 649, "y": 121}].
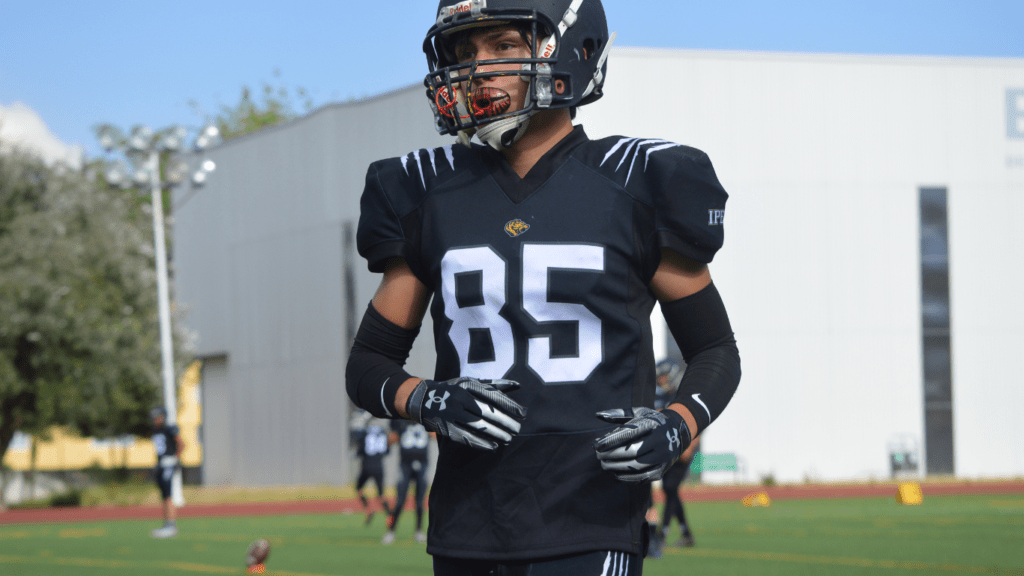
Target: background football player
[
  {"x": 668, "y": 373},
  {"x": 168, "y": 444},
  {"x": 371, "y": 442},
  {"x": 413, "y": 440},
  {"x": 541, "y": 254}
]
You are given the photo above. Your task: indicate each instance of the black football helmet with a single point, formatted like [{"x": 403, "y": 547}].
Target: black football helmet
[{"x": 566, "y": 68}]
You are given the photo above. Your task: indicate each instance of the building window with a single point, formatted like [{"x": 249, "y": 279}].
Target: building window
[{"x": 935, "y": 321}]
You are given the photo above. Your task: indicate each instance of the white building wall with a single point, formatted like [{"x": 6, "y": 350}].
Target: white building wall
[{"x": 823, "y": 156}]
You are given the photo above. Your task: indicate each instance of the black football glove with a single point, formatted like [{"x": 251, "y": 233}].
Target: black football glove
[
  {"x": 644, "y": 446},
  {"x": 473, "y": 412}
]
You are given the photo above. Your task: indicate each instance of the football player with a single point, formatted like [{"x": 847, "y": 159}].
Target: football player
[
  {"x": 169, "y": 445},
  {"x": 668, "y": 372},
  {"x": 541, "y": 254},
  {"x": 412, "y": 440},
  {"x": 371, "y": 441}
]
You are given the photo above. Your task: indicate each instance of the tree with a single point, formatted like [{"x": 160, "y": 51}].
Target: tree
[
  {"x": 249, "y": 115},
  {"x": 79, "y": 338}
]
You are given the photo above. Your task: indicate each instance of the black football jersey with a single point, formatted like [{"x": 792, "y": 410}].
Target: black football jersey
[
  {"x": 371, "y": 445},
  {"x": 413, "y": 440},
  {"x": 164, "y": 440},
  {"x": 542, "y": 280}
]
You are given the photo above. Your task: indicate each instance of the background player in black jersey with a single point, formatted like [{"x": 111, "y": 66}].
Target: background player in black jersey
[
  {"x": 668, "y": 373},
  {"x": 168, "y": 444},
  {"x": 371, "y": 441},
  {"x": 413, "y": 441},
  {"x": 541, "y": 255}
]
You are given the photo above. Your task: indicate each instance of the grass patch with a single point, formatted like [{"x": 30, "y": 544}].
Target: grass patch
[{"x": 978, "y": 534}]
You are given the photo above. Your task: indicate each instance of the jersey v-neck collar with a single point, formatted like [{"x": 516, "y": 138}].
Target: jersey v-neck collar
[{"x": 519, "y": 189}]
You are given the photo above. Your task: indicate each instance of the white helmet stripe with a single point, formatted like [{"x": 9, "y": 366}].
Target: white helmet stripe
[{"x": 568, "y": 19}]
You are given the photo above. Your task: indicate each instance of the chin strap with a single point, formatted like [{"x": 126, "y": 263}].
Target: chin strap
[{"x": 598, "y": 74}]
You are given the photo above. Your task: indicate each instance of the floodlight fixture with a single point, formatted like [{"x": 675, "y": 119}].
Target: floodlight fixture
[
  {"x": 107, "y": 137},
  {"x": 208, "y": 137},
  {"x": 174, "y": 139},
  {"x": 141, "y": 177},
  {"x": 116, "y": 174},
  {"x": 140, "y": 139}
]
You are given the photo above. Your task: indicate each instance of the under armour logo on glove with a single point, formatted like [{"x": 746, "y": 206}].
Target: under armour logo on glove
[
  {"x": 476, "y": 413},
  {"x": 635, "y": 451},
  {"x": 673, "y": 438},
  {"x": 432, "y": 399}
]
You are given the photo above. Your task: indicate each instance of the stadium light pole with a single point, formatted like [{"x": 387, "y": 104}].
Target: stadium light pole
[{"x": 143, "y": 142}]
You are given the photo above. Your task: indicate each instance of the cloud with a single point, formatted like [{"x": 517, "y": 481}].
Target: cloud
[{"x": 21, "y": 128}]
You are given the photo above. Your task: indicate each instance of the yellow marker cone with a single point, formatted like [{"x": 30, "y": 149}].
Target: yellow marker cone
[
  {"x": 758, "y": 499},
  {"x": 909, "y": 493}
]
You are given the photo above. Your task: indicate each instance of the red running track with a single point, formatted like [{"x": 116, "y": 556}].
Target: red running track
[{"x": 689, "y": 494}]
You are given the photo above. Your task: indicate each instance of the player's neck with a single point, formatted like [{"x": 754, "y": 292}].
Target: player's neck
[{"x": 546, "y": 129}]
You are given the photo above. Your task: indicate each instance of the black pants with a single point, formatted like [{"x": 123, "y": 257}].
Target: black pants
[
  {"x": 587, "y": 564},
  {"x": 372, "y": 473},
  {"x": 673, "y": 478},
  {"x": 164, "y": 474},
  {"x": 412, "y": 471}
]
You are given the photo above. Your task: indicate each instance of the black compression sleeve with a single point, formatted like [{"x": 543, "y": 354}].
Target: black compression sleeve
[
  {"x": 374, "y": 372},
  {"x": 701, "y": 328}
]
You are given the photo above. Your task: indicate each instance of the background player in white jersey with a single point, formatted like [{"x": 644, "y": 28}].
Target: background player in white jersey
[{"x": 541, "y": 255}]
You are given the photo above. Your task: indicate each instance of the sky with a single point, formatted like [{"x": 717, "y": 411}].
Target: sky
[{"x": 79, "y": 64}]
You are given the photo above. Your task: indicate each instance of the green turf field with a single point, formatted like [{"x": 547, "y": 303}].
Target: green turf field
[{"x": 945, "y": 535}]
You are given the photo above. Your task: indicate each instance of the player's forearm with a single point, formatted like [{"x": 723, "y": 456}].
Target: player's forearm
[
  {"x": 402, "y": 395},
  {"x": 700, "y": 325},
  {"x": 374, "y": 374},
  {"x": 709, "y": 383},
  {"x": 691, "y": 422}
]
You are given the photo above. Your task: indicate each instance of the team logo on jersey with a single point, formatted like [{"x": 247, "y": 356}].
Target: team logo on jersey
[
  {"x": 516, "y": 227},
  {"x": 716, "y": 217}
]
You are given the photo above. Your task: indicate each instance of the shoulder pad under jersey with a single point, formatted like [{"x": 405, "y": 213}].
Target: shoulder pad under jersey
[
  {"x": 394, "y": 188},
  {"x": 678, "y": 182}
]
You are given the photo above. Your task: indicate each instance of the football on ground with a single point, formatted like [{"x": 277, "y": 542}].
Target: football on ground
[{"x": 258, "y": 552}]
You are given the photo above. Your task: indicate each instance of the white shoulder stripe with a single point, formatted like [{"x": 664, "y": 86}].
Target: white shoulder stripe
[
  {"x": 449, "y": 155},
  {"x": 615, "y": 148},
  {"x": 416, "y": 157},
  {"x": 657, "y": 148},
  {"x": 433, "y": 165},
  {"x": 634, "y": 146},
  {"x": 626, "y": 153},
  {"x": 419, "y": 165}
]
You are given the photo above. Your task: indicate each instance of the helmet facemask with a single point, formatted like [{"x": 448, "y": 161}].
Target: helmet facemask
[
  {"x": 487, "y": 111},
  {"x": 569, "y": 45}
]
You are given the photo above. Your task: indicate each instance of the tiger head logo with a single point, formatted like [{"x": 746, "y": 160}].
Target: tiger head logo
[{"x": 516, "y": 227}]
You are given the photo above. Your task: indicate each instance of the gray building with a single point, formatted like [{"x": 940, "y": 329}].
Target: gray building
[{"x": 268, "y": 279}]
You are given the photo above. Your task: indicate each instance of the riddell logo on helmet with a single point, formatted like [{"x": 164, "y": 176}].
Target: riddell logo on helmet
[{"x": 456, "y": 9}]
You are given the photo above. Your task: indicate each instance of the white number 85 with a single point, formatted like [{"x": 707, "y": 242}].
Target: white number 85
[{"x": 538, "y": 260}]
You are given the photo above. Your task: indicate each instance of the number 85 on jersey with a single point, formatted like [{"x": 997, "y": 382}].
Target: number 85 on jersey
[{"x": 538, "y": 260}]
